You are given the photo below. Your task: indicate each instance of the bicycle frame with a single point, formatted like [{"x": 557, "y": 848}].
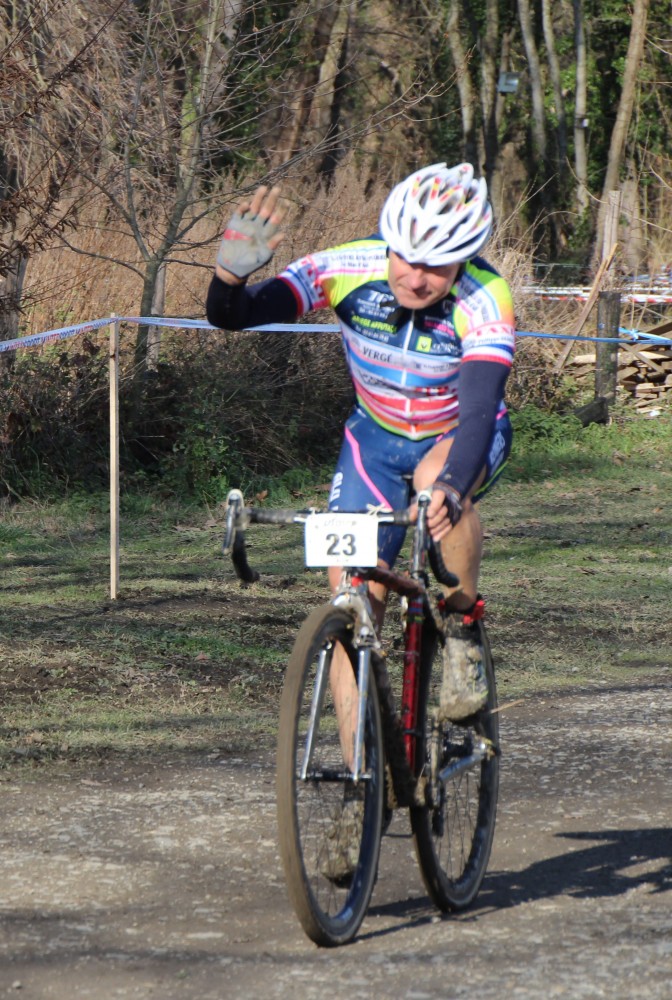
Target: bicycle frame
[
  {"x": 415, "y": 618},
  {"x": 353, "y": 596}
]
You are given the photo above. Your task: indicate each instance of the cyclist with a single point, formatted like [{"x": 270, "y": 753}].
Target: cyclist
[{"x": 428, "y": 332}]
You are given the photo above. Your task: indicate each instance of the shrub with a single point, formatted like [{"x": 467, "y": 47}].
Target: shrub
[{"x": 54, "y": 418}]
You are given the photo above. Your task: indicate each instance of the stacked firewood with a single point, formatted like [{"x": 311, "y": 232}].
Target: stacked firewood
[{"x": 644, "y": 373}]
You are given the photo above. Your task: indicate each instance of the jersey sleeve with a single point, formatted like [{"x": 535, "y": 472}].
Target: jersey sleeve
[
  {"x": 235, "y": 307},
  {"x": 325, "y": 278},
  {"x": 484, "y": 317},
  {"x": 485, "y": 323},
  {"x": 481, "y": 388}
]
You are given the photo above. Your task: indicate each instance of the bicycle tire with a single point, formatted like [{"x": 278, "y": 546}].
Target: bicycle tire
[
  {"x": 309, "y": 811},
  {"x": 453, "y": 832}
]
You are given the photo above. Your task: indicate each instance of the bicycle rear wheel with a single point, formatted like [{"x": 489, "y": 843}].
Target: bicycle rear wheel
[
  {"x": 329, "y": 826},
  {"x": 453, "y": 833}
]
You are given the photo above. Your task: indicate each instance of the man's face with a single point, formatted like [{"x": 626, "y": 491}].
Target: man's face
[{"x": 416, "y": 286}]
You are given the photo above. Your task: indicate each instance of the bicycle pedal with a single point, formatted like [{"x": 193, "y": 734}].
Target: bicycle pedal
[{"x": 492, "y": 750}]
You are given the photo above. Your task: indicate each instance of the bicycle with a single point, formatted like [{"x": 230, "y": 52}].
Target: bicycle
[{"x": 445, "y": 773}]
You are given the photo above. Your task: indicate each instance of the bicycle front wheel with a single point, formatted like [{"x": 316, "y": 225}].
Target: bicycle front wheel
[
  {"x": 329, "y": 825},
  {"x": 459, "y": 765}
]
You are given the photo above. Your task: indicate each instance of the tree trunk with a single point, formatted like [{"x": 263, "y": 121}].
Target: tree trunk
[
  {"x": 554, "y": 68},
  {"x": 619, "y": 133},
  {"x": 541, "y": 174},
  {"x": 536, "y": 87},
  {"x": 489, "y": 89},
  {"x": 184, "y": 144},
  {"x": 291, "y": 138},
  {"x": 495, "y": 181},
  {"x": 158, "y": 307},
  {"x": 142, "y": 340},
  {"x": 335, "y": 149},
  {"x": 580, "y": 111},
  {"x": 464, "y": 86},
  {"x": 11, "y": 289}
]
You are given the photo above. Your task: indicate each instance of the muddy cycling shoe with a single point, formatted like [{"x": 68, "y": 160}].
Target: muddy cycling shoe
[
  {"x": 344, "y": 837},
  {"x": 464, "y": 689}
]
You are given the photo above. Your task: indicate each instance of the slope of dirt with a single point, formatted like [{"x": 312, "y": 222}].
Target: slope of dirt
[{"x": 164, "y": 881}]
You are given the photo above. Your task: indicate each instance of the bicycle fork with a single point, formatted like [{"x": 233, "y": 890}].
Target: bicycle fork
[
  {"x": 363, "y": 680},
  {"x": 321, "y": 681},
  {"x": 364, "y": 645}
]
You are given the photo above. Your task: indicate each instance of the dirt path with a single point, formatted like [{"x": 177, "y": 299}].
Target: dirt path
[{"x": 164, "y": 881}]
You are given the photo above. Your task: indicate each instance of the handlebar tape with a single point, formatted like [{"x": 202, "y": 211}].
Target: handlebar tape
[
  {"x": 439, "y": 568},
  {"x": 242, "y": 567}
]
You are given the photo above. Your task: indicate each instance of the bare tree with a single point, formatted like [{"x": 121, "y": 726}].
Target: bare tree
[
  {"x": 580, "y": 110},
  {"x": 171, "y": 121},
  {"x": 619, "y": 132},
  {"x": 489, "y": 73},
  {"x": 480, "y": 51},
  {"x": 542, "y": 172},
  {"x": 200, "y": 89},
  {"x": 305, "y": 87},
  {"x": 538, "y": 123},
  {"x": 556, "y": 82},
  {"x": 46, "y": 54},
  {"x": 461, "y": 59}
]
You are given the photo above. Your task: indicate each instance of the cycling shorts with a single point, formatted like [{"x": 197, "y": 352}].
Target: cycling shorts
[{"x": 374, "y": 467}]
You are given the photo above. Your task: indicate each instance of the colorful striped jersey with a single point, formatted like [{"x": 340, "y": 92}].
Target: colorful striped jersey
[{"x": 405, "y": 364}]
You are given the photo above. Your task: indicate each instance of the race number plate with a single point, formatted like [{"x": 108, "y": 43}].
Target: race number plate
[{"x": 341, "y": 540}]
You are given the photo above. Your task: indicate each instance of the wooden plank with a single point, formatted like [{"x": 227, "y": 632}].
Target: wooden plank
[
  {"x": 632, "y": 353},
  {"x": 582, "y": 359},
  {"x": 661, "y": 329},
  {"x": 647, "y": 354},
  {"x": 587, "y": 309}
]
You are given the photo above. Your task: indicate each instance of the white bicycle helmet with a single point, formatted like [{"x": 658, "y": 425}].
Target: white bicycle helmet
[{"x": 438, "y": 215}]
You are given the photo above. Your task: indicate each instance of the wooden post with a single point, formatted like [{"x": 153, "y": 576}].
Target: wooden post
[
  {"x": 608, "y": 313},
  {"x": 606, "y": 355},
  {"x": 600, "y": 277},
  {"x": 114, "y": 459}
]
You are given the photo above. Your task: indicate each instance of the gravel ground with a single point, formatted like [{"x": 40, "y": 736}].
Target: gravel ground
[{"x": 164, "y": 881}]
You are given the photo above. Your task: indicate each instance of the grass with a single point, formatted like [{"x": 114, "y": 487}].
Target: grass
[
  {"x": 577, "y": 574},
  {"x": 579, "y": 560}
]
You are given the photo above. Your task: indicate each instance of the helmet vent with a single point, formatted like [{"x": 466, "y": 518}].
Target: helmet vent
[{"x": 437, "y": 216}]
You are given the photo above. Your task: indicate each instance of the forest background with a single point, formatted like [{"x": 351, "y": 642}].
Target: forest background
[{"x": 130, "y": 128}]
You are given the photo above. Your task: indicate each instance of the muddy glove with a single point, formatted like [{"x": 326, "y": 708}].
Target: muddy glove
[
  {"x": 250, "y": 239},
  {"x": 451, "y": 501}
]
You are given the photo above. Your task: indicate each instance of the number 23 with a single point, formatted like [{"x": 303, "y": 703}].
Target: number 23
[{"x": 341, "y": 546}]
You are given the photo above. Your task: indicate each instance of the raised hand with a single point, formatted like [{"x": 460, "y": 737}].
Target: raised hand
[{"x": 251, "y": 237}]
